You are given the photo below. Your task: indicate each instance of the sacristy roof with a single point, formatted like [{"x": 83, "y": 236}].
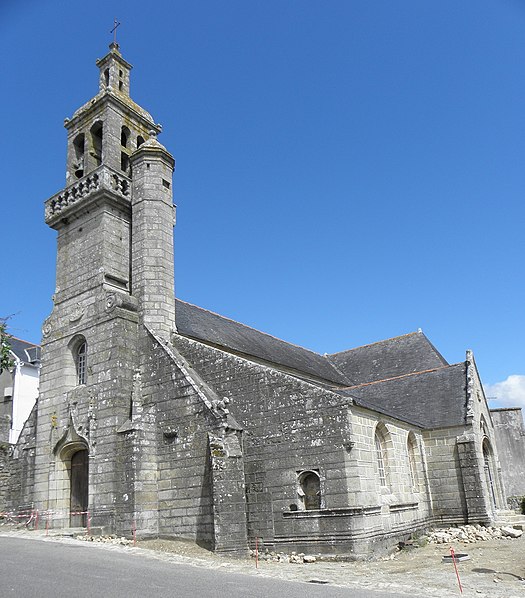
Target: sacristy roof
[
  {"x": 435, "y": 398},
  {"x": 389, "y": 358}
]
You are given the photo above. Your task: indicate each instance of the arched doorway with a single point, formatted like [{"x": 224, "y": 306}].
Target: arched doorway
[
  {"x": 489, "y": 473},
  {"x": 79, "y": 496}
]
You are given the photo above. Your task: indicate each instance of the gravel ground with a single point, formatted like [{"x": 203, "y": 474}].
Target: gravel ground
[{"x": 496, "y": 568}]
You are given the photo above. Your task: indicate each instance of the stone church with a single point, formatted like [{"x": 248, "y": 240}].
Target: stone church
[{"x": 157, "y": 414}]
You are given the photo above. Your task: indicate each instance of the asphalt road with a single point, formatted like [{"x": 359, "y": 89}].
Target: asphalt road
[{"x": 37, "y": 569}]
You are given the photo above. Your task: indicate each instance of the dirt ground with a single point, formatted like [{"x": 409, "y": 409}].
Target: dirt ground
[{"x": 496, "y": 568}]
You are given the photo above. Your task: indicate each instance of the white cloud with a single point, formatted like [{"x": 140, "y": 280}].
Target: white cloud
[{"x": 509, "y": 392}]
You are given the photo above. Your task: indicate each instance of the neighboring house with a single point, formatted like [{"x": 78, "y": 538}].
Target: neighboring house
[
  {"x": 159, "y": 415},
  {"x": 18, "y": 389}
]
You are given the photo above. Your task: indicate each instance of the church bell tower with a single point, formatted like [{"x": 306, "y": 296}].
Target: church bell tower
[{"x": 114, "y": 283}]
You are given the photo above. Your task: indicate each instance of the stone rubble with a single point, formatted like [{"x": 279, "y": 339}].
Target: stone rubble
[
  {"x": 469, "y": 534},
  {"x": 117, "y": 540},
  {"x": 281, "y": 557}
]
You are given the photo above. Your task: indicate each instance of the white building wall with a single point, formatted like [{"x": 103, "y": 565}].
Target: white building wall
[{"x": 25, "y": 393}]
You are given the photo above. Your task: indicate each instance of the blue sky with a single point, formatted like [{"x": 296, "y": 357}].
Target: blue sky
[{"x": 347, "y": 171}]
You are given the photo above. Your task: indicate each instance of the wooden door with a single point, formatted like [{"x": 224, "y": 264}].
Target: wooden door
[{"x": 79, "y": 488}]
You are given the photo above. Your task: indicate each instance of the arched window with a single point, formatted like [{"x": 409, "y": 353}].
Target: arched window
[
  {"x": 78, "y": 145},
  {"x": 81, "y": 363},
  {"x": 96, "y": 144},
  {"x": 411, "y": 452},
  {"x": 124, "y": 136},
  {"x": 381, "y": 456},
  {"x": 310, "y": 490},
  {"x": 140, "y": 141}
]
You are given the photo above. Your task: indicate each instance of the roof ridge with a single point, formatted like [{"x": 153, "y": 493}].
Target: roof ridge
[
  {"x": 250, "y": 328},
  {"x": 443, "y": 367}
]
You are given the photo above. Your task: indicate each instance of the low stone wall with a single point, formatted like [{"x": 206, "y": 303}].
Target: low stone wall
[{"x": 5, "y": 474}]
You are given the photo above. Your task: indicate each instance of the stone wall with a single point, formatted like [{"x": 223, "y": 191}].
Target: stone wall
[
  {"x": 444, "y": 475},
  {"x": 20, "y": 467},
  {"x": 510, "y": 441},
  {"x": 292, "y": 426},
  {"x": 402, "y": 505},
  {"x": 76, "y": 417},
  {"x": 183, "y": 465}
]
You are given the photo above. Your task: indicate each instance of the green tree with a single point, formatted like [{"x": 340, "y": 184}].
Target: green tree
[{"x": 6, "y": 360}]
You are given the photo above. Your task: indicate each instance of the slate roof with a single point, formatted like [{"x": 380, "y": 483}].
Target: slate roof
[
  {"x": 389, "y": 358},
  {"x": 206, "y": 326},
  {"x": 403, "y": 377},
  {"x": 26, "y": 352},
  {"x": 435, "y": 398}
]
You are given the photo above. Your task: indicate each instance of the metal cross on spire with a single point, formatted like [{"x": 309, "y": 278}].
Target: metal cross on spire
[{"x": 114, "y": 30}]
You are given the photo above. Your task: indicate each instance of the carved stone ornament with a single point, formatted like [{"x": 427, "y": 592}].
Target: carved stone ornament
[
  {"x": 111, "y": 302},
  {"x": 46, "y": 328},
  {"x": 122, "y": 300},
  {"x": 77, "y": 313},
  {"x": 471, "y": 373}
]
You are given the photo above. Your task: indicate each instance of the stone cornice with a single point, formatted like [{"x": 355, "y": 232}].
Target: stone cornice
[{"x": 108, "y": 96}]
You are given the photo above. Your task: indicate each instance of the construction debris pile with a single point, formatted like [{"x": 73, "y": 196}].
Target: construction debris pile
[{"x": 468, "y": 534}]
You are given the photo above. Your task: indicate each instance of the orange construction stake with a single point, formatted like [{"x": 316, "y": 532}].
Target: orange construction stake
[{"x": 456, "y": 568}]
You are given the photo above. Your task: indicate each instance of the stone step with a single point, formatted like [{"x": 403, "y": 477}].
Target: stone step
[
  {"x": 505, "y": 512},
  {"x": 510, "y": 517}
]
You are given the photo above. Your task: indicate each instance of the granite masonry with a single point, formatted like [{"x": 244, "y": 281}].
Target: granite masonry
[{"x": 160, "y": 415}]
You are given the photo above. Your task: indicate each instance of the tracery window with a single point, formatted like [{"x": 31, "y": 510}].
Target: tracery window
[
  {"x": 81, "y": 363},
  {"x": 411, "y": 451},
  {"x": 381, "y": 457}
]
